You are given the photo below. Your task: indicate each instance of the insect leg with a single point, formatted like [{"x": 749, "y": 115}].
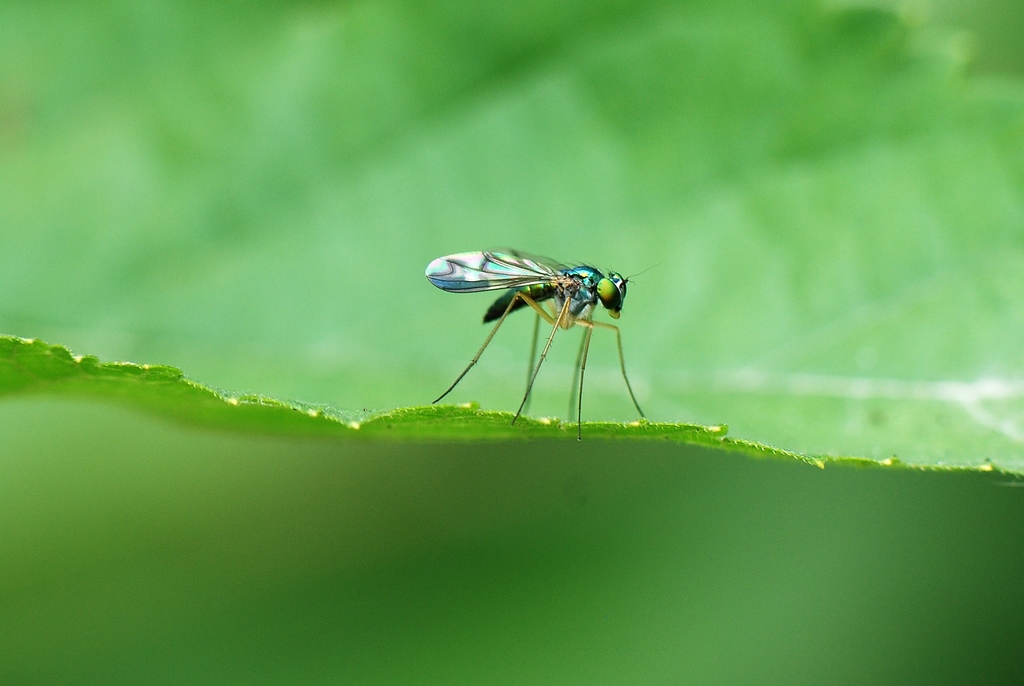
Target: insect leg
[
  {"x": 583, "y": 368},
  {"x": 575, "y": 378},
  {"x": 544, "y": 353},
  {"x": 622, "y": 363},
  {"x": 533, "y": 356},
  {"x": 549, "y": 318},
  {"x": 529, "y": 301}
]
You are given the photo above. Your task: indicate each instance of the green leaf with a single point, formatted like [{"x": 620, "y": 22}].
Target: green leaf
[
  {"x": 31, "y": 366},
  {"x": 835, "y": 206}
]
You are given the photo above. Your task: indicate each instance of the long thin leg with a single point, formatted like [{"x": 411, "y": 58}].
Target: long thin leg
[
  {"x": 533, "y": 356},
  {"x": 583, "y": 368},
  {"x": 622, "y": 363},
  {"x": 555, "y": 324},
  {"x": 575, "y": 379},
  {"x": 529, "y": 301}
]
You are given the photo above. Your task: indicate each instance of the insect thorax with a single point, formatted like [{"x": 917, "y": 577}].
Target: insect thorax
[{"x": 579, "y": 287}]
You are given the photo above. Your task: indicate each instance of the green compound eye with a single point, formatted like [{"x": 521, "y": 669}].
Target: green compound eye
[{"x": 608, "y": 293}]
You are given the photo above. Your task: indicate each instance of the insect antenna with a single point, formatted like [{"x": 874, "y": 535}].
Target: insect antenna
[{"x": 631, "y": 276}]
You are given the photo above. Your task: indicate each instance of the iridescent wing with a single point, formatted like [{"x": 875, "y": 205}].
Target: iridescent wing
[
  {"x": 539, "y": 259},
  {"x": 471, "y": 272}
]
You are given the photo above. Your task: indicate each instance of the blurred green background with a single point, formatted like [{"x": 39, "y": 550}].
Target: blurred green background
[
  {"x": 135, "y": 552},
  {"x": 833, "y": 197}
]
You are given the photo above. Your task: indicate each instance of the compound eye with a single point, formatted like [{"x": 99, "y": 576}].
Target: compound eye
[{"x": 609, "y": 294}]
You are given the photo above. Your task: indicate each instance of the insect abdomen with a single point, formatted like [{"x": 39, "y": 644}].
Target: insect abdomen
[{"x": 537, "y": 292}]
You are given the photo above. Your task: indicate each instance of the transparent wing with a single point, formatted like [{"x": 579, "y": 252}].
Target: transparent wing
[
  {"x": 538, "y": 259},
  {"x": 471, "y": 272}
]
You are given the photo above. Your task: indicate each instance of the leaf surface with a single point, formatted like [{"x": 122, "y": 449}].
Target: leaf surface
[{"x": 835, "y": 206}]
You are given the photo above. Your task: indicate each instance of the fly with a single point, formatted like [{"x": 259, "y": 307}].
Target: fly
[{"x": 571, "y": 295}]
